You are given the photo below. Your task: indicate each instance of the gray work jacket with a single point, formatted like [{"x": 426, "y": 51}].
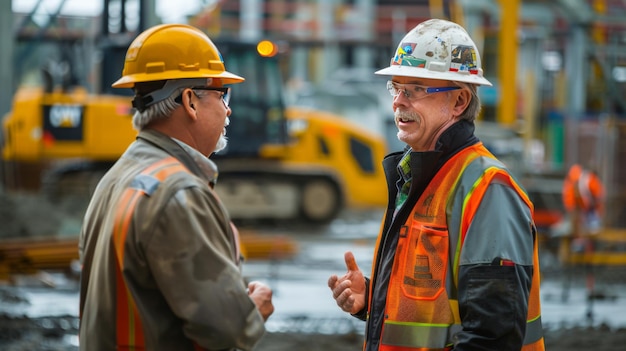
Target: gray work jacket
[{"x": 180, "y": 263}]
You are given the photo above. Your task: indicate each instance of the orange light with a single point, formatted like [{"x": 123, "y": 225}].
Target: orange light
[{"x": 266, "y": 48}]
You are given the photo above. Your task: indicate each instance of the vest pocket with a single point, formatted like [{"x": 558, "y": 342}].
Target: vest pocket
[
  {"x": 423, "y": 262},
  {"x": 418, "y": 315}
]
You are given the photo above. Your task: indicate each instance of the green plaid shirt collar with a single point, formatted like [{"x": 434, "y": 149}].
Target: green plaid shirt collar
[{"x": 404, "y": 183}]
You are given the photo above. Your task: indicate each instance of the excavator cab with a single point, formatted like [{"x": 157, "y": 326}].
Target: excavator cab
[
  {"x": 287, "y": 162},
  {"x": 258, "y": 116}
]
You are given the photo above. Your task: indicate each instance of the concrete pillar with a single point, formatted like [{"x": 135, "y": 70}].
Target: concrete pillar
[
  {"x": 149, "y": 14},
  {"x": 328, "y": 60},
  {"x": 6, "y": 70},
  {"x": 364, "y": 55},
  {"x": 250, "y": 12},
  {"x": 6, "y": 57},
  {"x": 577, "y": 70}
]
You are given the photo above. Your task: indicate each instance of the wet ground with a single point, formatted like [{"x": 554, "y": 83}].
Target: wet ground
[{"x": 40, "y": 312}]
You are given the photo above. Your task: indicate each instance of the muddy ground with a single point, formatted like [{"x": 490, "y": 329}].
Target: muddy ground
[{"x": 58, "y": 334}]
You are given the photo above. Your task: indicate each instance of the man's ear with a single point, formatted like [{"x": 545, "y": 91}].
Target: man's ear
[
  {"x": 462, "y": 101},
  {"x": 188, "y": 106}
]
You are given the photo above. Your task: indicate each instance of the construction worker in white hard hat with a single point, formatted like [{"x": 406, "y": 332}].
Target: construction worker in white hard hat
[
  {"x": 456, "y": 265},
  {"x": 160, "y": 256}
]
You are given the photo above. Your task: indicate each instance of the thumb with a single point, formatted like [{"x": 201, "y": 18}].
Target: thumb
[
  {"x": 252, "y": 286},
  {"x": 350, "y": 261}
]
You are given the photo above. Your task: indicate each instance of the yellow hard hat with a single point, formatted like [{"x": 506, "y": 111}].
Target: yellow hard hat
[{"x": 173, "y": 51}]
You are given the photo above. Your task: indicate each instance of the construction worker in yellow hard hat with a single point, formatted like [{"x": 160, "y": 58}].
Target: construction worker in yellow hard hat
[
  {"x": 161, "y": 259},
  {"x": 456, "y": 264}
]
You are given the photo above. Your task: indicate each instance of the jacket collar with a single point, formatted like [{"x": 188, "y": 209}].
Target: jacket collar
[
  {"x": 195, "y": 162},
  {"x": 455, "y": 138},
  {"x": 208, "y": 167},
  {"x": 424, "y": 164}
]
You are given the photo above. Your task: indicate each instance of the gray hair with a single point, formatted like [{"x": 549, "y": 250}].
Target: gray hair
[
  {"x": 160, "y": 110},
  {"x": 156, "y": 100}
]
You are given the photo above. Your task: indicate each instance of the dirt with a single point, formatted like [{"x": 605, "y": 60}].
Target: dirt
[
  {"x": 577, "y": 339},
  {"x": 25, "y": 215},
  {"x": 59, "y": 334}
]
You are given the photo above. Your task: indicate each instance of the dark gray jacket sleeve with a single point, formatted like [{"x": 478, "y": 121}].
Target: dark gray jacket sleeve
[
  {"x": 495, "y": 273},
  {"x": 362, "y": 314}
]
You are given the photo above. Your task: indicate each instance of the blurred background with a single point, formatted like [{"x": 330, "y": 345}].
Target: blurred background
[{"x": 301, "y": 175}]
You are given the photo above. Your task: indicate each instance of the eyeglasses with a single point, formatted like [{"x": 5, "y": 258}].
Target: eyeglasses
[
  {"x": 415, "y": 91},
  {"x": 225, "y": 93}
]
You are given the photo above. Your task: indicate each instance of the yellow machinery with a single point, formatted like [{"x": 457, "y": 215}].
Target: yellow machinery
[
  {"x": 28, "y": 256},
  {"x": 281, "y": 162},
  {"x": 64, "y": 125}
]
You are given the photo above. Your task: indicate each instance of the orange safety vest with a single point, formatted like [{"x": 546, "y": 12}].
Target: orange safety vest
[
  {"x": 582, "y": 190},
  {"x": 129, "y": 327},
  {"x": 419, "y": 313}
]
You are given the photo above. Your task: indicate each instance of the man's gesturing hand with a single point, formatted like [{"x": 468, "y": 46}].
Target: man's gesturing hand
[
  {"x": 261, "y": 295},
  {"x": 349, "y": 290}
]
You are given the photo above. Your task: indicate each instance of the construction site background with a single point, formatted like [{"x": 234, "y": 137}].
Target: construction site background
[{"x": 559, "y": 73}]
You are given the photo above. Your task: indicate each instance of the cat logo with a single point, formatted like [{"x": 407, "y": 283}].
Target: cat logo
[
  {"x": 65, "y": 116},
  {"x": 63, "y": 122}
]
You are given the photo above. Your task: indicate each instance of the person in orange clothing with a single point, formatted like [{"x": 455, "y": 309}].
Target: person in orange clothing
[
  {"x": 583, "y": 199},
  {"x": 456, "y": 264}
]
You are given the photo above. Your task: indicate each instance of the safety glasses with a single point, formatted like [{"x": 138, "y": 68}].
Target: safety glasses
[
  {"x": 225, "y": 93},
  {"x": 415, "y": 91}
]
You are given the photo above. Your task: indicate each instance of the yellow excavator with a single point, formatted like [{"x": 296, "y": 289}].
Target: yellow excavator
[{"x": 281, "y": 162}]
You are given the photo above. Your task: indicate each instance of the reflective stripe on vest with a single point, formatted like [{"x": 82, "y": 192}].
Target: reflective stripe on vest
[
  {"x": 417, "y": 336},
  {"x": 419, "y": 314},
  {"x": 129, "y": 327}
]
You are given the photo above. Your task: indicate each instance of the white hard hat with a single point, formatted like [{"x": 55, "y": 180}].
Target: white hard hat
[{"x": 437, "y": 49}]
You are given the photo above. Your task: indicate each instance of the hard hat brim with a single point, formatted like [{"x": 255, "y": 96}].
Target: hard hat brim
[
  {"x": 130, "y": 80},
  {"x": 407, "y": 71}
]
